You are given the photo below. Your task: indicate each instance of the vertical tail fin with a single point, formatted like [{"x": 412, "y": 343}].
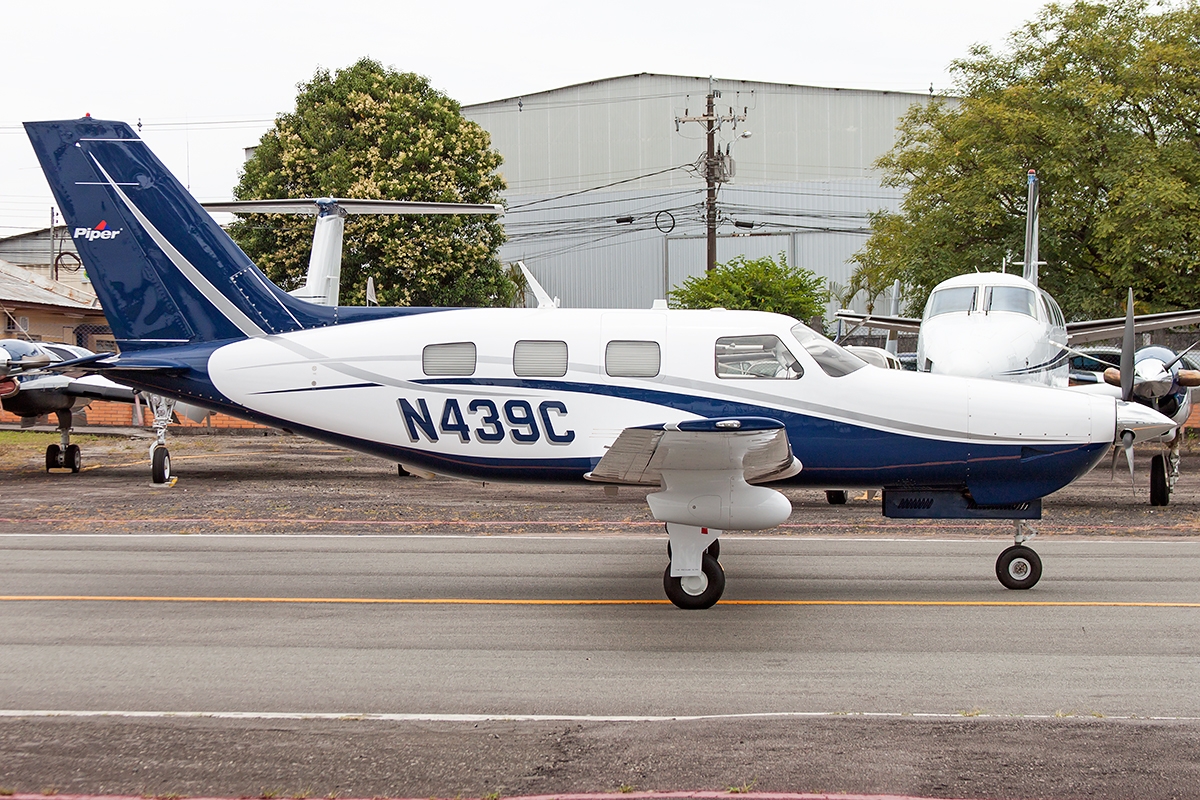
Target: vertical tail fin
[{"x": 165, "y": 272}]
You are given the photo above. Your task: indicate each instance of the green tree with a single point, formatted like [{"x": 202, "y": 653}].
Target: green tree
[
  {"x": 368, "y": 132},
  {"x": 1103, "y": 100},
  {"x": 758, "y": 284}
]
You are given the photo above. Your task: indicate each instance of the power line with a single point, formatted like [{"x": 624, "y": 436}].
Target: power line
[{"x": 597, "y": 188}]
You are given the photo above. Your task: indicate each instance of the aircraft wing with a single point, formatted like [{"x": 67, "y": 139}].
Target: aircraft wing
[
  {"x": 879, "y": 321},
  {"x": 757, "y": 446},
  {"x": 1094, "y": 329}
]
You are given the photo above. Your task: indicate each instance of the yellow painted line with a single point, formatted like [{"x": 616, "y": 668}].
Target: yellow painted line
[{"x": 590, "y": 602}]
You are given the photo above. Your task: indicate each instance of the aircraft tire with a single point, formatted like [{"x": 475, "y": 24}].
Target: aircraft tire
[
  {"x": 713, "y": 549},
  {"x": 74, "y": 458},
  {"x": 1019, "y": 567},
  {"x": 708, "y": 598},
  {"x": 53, "y": 457},
  {"x": 836, "y": 497},
  {"x": 1160, "y": 489},
  {"x": 160, "y": 465}
]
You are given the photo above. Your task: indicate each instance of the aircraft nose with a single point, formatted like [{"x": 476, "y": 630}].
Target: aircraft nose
[
  {"x": 963, "y": 363},
  {"x": 1142, "y": 421}
]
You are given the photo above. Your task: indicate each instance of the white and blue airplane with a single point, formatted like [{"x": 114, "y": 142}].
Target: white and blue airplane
[
  {"x": 1003, "y": 327},
  {"x": 715, "y": 408}
]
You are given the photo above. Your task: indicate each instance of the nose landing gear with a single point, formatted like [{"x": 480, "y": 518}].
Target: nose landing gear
[{"x": 1019, "y": 567}]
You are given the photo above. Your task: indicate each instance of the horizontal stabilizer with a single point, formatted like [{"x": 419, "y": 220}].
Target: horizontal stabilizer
[
  {"x": 756, "y": 446},
  {"x": 312, "y": 206},
  {"x": 162, "y": 365}
]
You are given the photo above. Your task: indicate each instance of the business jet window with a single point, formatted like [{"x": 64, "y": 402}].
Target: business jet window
[
  {"x": 457, "y": 358},
  {"x": 535, "y": 359},
  {"x": 834, "y": 360},
  {"x": 755, "y": 357},
  {"x": 1016, "y": 299},
  {"x": 949, "y": 301},
  {"x": 632, "y": 359}
]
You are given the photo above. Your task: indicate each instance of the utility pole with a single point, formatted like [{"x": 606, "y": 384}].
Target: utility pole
[
  {"x": 716, "y": 168},
  {"x": 711, "y": 176}
]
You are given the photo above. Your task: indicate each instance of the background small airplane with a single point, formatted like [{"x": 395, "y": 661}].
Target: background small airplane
[{"x": 1004, "y": 327}]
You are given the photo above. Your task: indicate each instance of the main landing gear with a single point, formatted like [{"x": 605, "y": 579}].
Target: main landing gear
[
  {"x": 160, "y": 457},
  {"x": 694, "y": 579},
  {"x": 1019, "y": 567},
  {"x": 64, "y": 455}
]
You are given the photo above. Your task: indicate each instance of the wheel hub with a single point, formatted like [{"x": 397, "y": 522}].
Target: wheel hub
[
  {"x": 1019, "y": 569},
  {"x": 694, "y": 584}
]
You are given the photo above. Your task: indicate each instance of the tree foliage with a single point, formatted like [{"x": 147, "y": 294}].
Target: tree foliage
[
  {"x": 368, "y": 132},
  {"x": 760, "y": 284},
  {"x": 1103, "y": 100}
]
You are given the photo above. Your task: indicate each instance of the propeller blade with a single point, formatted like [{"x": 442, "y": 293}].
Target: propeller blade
[
  {"x": 1127, "y": 345},
  {"x": 1188, "y": 377},
  {"x": 1182, "y": 353}
]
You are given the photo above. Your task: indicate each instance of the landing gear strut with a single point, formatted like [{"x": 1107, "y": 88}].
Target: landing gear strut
[
  {"x": 64, "y": 455},
  {"x": 694, "y": 579},
  {"x": 160, "y": 457},
  {"x": 1019, "y": 567}
]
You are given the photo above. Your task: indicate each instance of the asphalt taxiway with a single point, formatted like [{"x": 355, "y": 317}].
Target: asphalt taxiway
[{"x": 268, "y": 629}]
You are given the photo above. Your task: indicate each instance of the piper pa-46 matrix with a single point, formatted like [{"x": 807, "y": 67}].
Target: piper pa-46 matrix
[{"x": 705, "y": 405}]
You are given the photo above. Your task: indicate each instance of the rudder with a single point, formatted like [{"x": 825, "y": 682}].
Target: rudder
[{"x": 164, "y": 270}]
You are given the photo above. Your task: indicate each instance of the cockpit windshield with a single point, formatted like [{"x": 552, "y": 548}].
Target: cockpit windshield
[
  {"x": 951, "y": 300},
  {"x": 833, "y": 359},
  {"x": 1016, "y": 299}
]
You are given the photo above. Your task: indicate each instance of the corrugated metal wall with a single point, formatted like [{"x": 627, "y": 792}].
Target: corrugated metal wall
[{"x": 579, "y": 158}]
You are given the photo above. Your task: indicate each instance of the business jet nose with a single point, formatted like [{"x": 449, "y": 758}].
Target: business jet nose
[{"x": 1142, "y": 421}]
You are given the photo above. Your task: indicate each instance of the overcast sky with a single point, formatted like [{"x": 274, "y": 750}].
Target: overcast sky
[{"x": 206, "y": 79}]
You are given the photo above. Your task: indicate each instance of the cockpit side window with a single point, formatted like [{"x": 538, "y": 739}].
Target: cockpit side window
[
  {"x": 755, "y": 357},
  {"x": 834, "y": 360},
  {"x": 1014, "y": 299},
  {"x": 1055, "y": 313},
  {"x": 951, "y": 300}
]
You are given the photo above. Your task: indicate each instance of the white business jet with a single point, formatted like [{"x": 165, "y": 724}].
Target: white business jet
[{"x": 707, "y": 406}]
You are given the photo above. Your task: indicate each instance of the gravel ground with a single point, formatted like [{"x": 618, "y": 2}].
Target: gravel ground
[{"x": 247, "y": 483}]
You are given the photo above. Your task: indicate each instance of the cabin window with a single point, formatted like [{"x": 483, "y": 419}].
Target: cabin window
[
  {"x": 1014, "y": 299},
  {"x": 535, "y": 359},
  {"x": 834, "y": 360},
  {"x": 626, "y": 359},
  {"x": 457, "y": 359},
  {"x": 762, "y": 356},
  {"x": 952, "y": 300}
]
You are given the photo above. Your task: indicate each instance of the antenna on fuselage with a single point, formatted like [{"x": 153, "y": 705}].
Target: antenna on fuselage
[{"x": 1031, "y": 230}]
